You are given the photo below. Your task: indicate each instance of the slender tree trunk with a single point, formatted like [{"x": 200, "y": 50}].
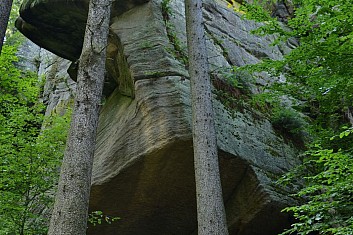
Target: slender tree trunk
[
  {"x": 71, "y": 205},
  {"x": 5, "y": 10},
  {"x": 210, "y": 208}
]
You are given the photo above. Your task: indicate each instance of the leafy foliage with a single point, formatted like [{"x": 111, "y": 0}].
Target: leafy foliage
[
  {"x": 179, "y": 50},
  {"x": 11, "y": 30},
  {"x": 288, "y": 121},
  {"x": 327, "y": 196},
  {"x": 318, "y": 73},
  {"x": 232, "y": 87},
  {"x": 29, "y": 156},
  {"x": 98, "y": 217}
]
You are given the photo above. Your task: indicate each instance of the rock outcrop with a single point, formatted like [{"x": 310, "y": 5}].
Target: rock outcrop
[{"x": 143, "y": 167}]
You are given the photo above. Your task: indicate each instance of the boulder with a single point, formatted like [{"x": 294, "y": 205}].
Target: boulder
[{"x": 143, "y": 166}]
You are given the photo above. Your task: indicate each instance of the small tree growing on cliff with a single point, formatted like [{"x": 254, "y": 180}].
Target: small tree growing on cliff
[
  {"x": 210, "y": 208},
  {"x": 5, "y": 10},
  {"x": 71, "y": 204}
]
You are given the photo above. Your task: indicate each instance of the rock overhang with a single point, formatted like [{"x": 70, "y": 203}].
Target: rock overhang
[
  {"x": 59, "y": 25},
  {"x": 143, "y": 161}
]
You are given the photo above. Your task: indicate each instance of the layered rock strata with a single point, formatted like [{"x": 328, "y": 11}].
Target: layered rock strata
[{"x": 143, "y": 167}]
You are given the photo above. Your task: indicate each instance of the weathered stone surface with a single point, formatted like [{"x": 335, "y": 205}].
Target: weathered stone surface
[
  {"x": 59, "y": 89},
  {"x": 281, "y": 9},
  {"x": 59, "y": 25},
  {"x": 143, "y": 169},
  {"x": 145, "y": 43},
  {"x": 28, "y": 56},
  {"x": 234, "y": 35}
]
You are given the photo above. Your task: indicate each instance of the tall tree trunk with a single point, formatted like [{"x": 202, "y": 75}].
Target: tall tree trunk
[
  {"x": 5, "y": 10},
  {"x": 210, "y": 208},
  {"x": 71, "y": 205}
]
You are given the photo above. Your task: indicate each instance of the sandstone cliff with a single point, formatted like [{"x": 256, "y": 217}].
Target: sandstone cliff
[{"x": 143, "y": 168}]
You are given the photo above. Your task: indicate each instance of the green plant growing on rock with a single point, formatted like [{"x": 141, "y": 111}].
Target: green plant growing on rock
[
  {"x": 232, "y": 87},
  {"x": 179, "y": 50},
  {"x": 265, "y": 102},
  {"x": 98, "y": 217},
  {"x": 281, "y": 112},
  {"x": 166, "y": 9},
  {"x": 155, "y": 74},
  {"x": 289, "y": 123},
  {"x": 147, "y": 45}
]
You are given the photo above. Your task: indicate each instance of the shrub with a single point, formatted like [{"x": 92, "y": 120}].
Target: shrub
[{"x": 289, "y": 123}]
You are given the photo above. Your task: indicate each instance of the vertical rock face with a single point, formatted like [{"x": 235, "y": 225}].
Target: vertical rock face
[
  {"x": 59, "y": 88},
  {"x": 143, "y": 168},
  {"x": 29, "y": 56}
]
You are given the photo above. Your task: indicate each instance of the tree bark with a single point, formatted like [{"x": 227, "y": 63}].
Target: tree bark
[
  {"x": 71, "y": 205},
  {"x": 5, "y": 10},
  {"x": 210, "y": 207}
]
